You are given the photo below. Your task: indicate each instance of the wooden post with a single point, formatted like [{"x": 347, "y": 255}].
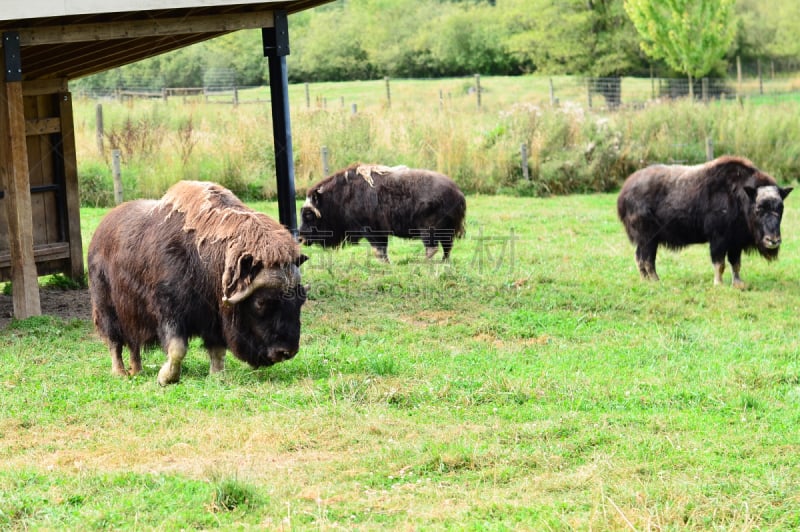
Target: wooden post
[
  {"x": 704, "y": 85},
  {"x": 324, "y": 151},
  {"x": 478, "y": 89},
  {"x": 73, "y": 202},
  {"x": 353, "y": 109},
  {"x": 709, "y": 149},
  {"x": 652, "y": 84},
  {"x": 98, "y": 113},
  {"x": 552, "y": 93},
  {"x": 235, "y": 96},
  {"x": 16, "y": 182},
  {"x": 738, "y": 76},
  {"x": 760, "y": 79},
  {"x": 523, "y": 149},
  {"x": 116, "y": 172},
  {"x": 388, "y": 92},
  {"x": 308, "y": 98},
  {"x": 589, "y": 92},
  {"x": 441, "y": 99}
]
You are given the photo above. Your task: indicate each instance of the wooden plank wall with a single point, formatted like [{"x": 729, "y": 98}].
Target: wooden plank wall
[{"x": 52, "y": 169}]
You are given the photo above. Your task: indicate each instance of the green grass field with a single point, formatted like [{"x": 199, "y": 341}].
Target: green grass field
[{"x": 533, "y": 383}]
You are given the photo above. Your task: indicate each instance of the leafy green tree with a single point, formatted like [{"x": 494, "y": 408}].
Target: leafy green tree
[{"x": 690, "y": 35}]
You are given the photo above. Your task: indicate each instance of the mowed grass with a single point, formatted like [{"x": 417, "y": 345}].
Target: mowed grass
[{"x": 533, "y": 383}]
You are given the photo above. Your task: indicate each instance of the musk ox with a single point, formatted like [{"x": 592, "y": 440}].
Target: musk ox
[
  {"x": 197, "y": 263},
  {"x": 374, "y": 202},
  {"x": 727, "y": 202}
]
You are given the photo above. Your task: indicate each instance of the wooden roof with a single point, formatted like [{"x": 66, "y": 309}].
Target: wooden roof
[{"x": 73, "y": 38}]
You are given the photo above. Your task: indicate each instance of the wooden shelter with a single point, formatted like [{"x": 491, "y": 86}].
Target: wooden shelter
[{"x": 46, "y": 43}]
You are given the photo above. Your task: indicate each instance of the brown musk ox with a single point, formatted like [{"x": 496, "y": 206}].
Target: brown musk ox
[
  {"x": 374, "y": 202},
  {"x": 727, "y": 202},
  {"x": 196, "y": 263}
]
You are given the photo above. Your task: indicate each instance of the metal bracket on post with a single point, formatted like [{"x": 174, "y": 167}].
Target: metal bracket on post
[
  {"x": 276, "y": 39},
  {"x": 12, "y": 56}
]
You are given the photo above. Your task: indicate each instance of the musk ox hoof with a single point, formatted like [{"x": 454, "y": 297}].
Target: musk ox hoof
[
  {"x": 738, "y": 284},
  {"x": 169, "y": 374},
  {"x": 119, "y": 372}
]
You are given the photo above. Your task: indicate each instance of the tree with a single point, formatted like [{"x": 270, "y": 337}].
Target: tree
[{"x": 690, "y": 35}]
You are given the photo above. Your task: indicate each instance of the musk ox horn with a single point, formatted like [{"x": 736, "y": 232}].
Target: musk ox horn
[{"x": 268, "y": 278}]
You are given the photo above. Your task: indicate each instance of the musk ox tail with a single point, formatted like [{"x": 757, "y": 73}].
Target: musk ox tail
[{"x": 460, "y": 216}]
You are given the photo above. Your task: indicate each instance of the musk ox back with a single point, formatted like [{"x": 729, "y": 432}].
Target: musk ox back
[
  {"x": 374, "y": 202},
  {"x": 197, "y": 263},
  {"x": 727, "y": 202}
]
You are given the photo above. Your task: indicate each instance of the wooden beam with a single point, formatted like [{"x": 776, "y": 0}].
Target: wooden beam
[
  {"x": 131, "y": 29},
  {"x": 43, "y": 86},
  {"x": 42, "y": 126},
  {"x": 16, "y": 179}
]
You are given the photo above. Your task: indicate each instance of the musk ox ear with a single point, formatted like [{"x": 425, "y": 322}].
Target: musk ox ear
[{"x": 785, "y": 191}]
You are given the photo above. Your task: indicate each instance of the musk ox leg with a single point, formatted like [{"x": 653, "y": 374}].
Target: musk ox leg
[
  {"x": 136, "y": 361},
  {"x": 646, "y": 261},
  {"x": 217, "y": 356},
  {"x": 447, "y": 245},
  {"x": 737, "y": 281},
  {"x": 735, "y": 258},
  {"x": 117, "y": 365},
  {"x": 380, "y": 245},
  {"x": 719, "y": 269},
  {"x": 170, "y": 372}
]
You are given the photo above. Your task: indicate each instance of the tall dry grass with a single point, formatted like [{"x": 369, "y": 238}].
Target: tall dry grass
[{"x": 570, "y": 148}]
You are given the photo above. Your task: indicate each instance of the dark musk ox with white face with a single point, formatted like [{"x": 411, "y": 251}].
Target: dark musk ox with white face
[
  {"x": 374, "y": 202},
  {"x": 727, "y": 202},
  {"x": 197, "y": 263}
]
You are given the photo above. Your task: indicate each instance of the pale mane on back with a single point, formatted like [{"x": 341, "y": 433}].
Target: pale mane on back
[{"x": 215, "y": 214}]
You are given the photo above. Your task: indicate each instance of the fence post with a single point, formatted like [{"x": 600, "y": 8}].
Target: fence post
[
  {"x": 523, "y": 149},
  {"x": 353, "y": 109},
  {"x": 308, "y": 99},
  {"x": 116, "y": 173},
  {"x": 478, "y": 89},
  {"x": 589, "y": 92},
  {"x": 652, "y": 84},
  {"x": 704, "y": 88},
  {"x": 235, "y": 96},
  {"x": 552, "y": 93},
  {"x": 709, "y": 149},
  {"x": 441, "y": 99},
  {"x": 388, "y": 92},
  {"x": 760, "y": 79},
  {"x": 738, "y": 76},
  {"x": 98, "y": 111},
  {"x": 324, "y": 151}
]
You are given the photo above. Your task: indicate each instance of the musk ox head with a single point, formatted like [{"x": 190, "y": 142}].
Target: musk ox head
[
  {"x": 764, "y": 217},
  {"x": 319, "y": 223},
  {"x": 261, "y": 310}
]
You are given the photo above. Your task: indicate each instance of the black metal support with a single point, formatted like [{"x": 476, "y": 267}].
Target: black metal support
[
  {"x": 12, "y": 55},
  {"x": 276, "y": 48}
]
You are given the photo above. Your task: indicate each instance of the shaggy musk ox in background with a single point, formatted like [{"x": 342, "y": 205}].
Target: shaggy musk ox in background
[
  {"x": 198, "y": 262},
  {"x": 374, "y": 202},
  {"x": 727, "y": 202}
]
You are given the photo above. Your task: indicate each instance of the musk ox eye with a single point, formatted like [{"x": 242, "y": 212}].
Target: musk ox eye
[{"x": 259, "y": 304}]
